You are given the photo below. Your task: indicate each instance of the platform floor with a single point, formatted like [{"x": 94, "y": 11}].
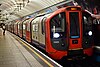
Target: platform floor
[{"x": 12, "y": 54}]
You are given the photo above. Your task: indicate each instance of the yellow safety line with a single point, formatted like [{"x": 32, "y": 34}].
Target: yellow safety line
[{"x": 37, "y": 54}]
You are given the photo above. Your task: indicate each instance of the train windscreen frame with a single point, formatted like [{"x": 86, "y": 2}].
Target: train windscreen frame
[
  {"x": 74, "y": 25},
  {"x": 58, "y": 25}
]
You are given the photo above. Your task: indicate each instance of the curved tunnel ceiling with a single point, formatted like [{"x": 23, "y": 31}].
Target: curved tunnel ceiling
[{"x": 13, "y": 9}]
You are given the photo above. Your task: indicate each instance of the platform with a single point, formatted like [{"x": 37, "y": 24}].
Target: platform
[{"x": 13, "y": 54}]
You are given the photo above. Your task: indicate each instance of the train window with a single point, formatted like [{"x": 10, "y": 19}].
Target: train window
[
  {"x": 58, "y": 25},
  {"x": 20, "y": 26},
  {"x": 24, "y": 24},
  {"x": 24, "y": 27},
  {"x": 35, "y": 27},
  {"x": 28, "y": 26},
  {"x": 74, "y": 24},
  {"x": 42, "y": 25}
]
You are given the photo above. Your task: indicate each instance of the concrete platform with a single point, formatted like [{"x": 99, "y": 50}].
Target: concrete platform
[{"x": 13, "y": 54}]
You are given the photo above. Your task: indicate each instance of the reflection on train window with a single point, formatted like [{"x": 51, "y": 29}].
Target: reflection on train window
[
  {"x": 85, "y": 20},
  {"x": 24, "y": 27},
  {"x": 58, "y": 23}
]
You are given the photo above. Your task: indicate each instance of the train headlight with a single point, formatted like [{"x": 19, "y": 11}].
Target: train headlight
[
  {"x": 90, "y": 33},
  {"x": 56, "y": 35}
]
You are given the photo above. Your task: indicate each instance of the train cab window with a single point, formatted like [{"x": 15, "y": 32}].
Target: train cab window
[
  {"x": 43, "y": 26},
  {"x": 74, "y": 25},
  {"x": 58, "y": 25}
]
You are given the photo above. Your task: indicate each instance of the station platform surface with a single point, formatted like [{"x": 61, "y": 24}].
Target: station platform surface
[{"x": 13, "y": 54}]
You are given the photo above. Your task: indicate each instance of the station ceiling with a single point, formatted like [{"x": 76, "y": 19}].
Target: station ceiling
[{"x": 13, "y": 9}]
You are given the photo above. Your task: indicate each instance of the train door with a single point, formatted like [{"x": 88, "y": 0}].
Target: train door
[
  {"x": 35, "y": 30},
  {"x": 28, "y": 30},
  {"x": 24, "y": 28},
  {"x": 74, "y": 16},
  {"x": 18, "y": 29},
  {"x": 42, "y": 32}
]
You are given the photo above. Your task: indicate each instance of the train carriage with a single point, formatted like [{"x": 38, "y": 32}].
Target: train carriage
[{"x": 65, "y": 32}]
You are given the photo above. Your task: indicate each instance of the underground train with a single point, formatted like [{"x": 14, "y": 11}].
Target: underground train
[{"x": 65, "y": 32}]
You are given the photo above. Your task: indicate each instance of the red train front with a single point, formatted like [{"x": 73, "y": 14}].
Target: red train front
[{"x": 68, "y": 33}]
